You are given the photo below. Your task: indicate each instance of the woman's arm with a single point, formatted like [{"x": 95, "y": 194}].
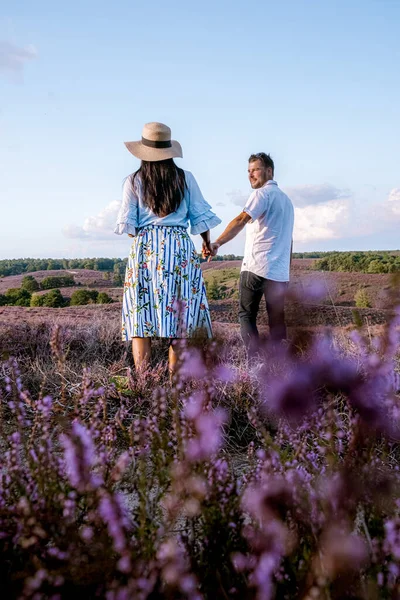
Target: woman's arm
[{"x": 206, "y": 248}]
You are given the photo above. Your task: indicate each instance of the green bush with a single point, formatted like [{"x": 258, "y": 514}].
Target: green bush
[
  {"x": 3, "y": 300},
  {"x": 37, "y": 300},
  {"x": 103, "y": 298},
  {"x": 81, "y": 297},
  {"x": 118, "y": 275},
  {"x": 54, "y": 299},
  {"x": 362, "y": 299},
  {"x": 18, "y": 297},
  {"x": 29, "y": 283},
  {"x": 213, "y": 290},
  {"x": 56, "y": 282}
]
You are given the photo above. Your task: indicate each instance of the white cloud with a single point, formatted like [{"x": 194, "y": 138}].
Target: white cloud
[
  {"x": 393, "y": 202},
  {"x": 237, "y": 197},
  {"x": 321, "y": 211},
  {"x": 378, "y": 217},
  {"x": 307, "y": 195},
  {"x": 13, "y": 58},
  {"x": 320, "y": 222},
  {"x": 220, "y": 204},
  {"x": 99, "y": 227},
  {"x": 328, "y": 220}
]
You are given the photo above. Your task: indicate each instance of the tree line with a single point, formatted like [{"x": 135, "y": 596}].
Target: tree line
[
  {"x": 27, "y": 295},
  {"x": 18, "y": 266},
  {"x": 364, "y": 262}
]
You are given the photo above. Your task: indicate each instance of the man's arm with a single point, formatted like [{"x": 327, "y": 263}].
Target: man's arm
[{"x": 231, "y": 231}]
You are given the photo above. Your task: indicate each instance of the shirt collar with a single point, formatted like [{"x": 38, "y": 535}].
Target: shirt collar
[{"x": 271, "y": 182}]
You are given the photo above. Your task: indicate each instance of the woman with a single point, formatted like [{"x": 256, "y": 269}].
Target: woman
[{"x": 164, "y": 291}]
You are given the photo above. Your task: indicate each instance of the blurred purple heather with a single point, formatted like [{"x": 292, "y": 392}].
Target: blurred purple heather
[{"x": 275, "y": 479}]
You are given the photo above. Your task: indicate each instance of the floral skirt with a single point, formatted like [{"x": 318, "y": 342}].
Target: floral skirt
[{"x": 164, "y": 291}]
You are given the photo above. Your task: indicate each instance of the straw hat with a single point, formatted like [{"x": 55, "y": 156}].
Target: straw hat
[{"x": 156, "y": 144}]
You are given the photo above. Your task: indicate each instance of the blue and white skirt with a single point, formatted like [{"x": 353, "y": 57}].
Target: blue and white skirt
[{"x": 164, "y": 291}]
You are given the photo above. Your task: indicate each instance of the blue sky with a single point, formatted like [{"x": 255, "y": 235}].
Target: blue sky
[{"x": 314, "y": 83}]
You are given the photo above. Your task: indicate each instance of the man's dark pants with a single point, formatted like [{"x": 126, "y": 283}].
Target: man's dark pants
[{"x": 251, "y": 289}]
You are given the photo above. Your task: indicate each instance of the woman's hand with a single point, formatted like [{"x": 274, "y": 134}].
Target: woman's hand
[{"x": 206, "y": 249}]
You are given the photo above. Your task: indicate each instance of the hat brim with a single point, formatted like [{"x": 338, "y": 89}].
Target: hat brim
[{"x": 153, "y": 154}]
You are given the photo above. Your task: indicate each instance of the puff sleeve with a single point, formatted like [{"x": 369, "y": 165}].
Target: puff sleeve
[
  {"x": 127, "y": 216},
  {"x": 201, "y": 217}
]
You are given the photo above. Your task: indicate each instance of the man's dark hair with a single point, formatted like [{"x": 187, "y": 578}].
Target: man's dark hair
[{"x": 265, "y": 159}]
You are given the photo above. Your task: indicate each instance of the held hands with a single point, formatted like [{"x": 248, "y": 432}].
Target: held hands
[{"x": 209, "y": 250}]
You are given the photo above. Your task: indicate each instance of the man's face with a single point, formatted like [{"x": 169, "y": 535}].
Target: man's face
[{"x": 258, "y": 174}]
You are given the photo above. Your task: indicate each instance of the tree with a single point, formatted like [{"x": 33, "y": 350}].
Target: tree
[
  {"x": 118, "y": 281},
  {"x": 214, "y": 291},
  {"x": 377, "y": 266},
  {"x": 18, "y": 297},
  {"x": 56, "y": 282},
  {"x": 81, "y": 297},
  {"x": 29, "y": 283},
  {"x": 103, "y": 298},
  {"x": 53, "y": 299},
  {"x": 362, "y": 299},
  {"x": 37, "y": 300}
]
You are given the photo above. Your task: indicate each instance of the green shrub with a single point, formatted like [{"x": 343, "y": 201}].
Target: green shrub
[
  {"x": 18, "y": 297},
  {"x": 53, "y": 299},
  {"x": 81, "y": 297},
  {"x": 213, "y": 290},
  {"x": 56, "y": 282},
  {"x": 37, "y": 300},
  {"x": 29, "y": 283},
  {"x": 362, "y": 299},
  {"x": 103, "y": 298},
  {"x": 3, "y": 300},
  {"x": 118, "y": 275}
]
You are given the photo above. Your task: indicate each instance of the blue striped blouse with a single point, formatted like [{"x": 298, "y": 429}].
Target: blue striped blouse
[{"x": 193, "y": 209}]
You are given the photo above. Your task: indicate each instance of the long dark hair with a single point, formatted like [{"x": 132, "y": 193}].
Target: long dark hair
[{"x": 163, "y": 185}]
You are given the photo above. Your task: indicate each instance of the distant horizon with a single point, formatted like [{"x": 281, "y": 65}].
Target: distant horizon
[{"x": 238, "y": 257}]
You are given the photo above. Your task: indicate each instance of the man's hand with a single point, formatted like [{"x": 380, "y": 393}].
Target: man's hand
[
  {"x": 213, "y": 250},
  {"x": 130, "y": 235}
]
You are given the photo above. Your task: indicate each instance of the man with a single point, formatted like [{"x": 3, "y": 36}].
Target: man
[{"x": 268, "y": 216}]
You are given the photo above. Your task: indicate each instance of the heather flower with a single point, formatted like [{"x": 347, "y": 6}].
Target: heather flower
[
  {"x": 192, "y": 366},
  {"x": 279, "y": 518},
  {"x": 113, "y": 513},
  {"x": 208, "y": 436},
  {"x": 267, "y": 500},
  {"x": 174, "y": 569},
  {"x": 80, "y": 458}
]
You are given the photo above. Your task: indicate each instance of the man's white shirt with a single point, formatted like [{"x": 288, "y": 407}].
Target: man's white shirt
[{"x": 269, "y": 233}]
